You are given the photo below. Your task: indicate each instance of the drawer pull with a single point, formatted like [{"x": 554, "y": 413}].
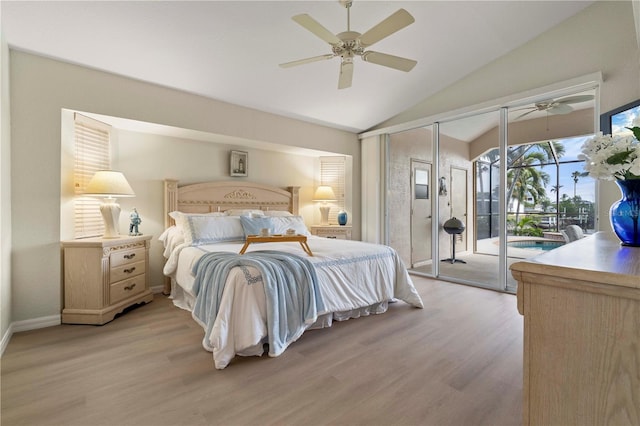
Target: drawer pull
[
  {"x": 332, "y": 236},
  {"x": 130, "y": 287},
  {"x": 129, "y": 256},
  {"x": 130, "y": 270}
]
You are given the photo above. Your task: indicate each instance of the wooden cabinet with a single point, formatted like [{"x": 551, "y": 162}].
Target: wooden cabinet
[
  {"x": 332, "y": 231},
  {"x": 581, "y": 307},
  {"x": 102, "y": 277}
]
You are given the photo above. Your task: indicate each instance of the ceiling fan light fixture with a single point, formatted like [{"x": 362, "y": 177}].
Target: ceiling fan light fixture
[{"x": 348, "y": 44}]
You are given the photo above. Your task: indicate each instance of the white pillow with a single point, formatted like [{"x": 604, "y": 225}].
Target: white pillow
[
  {"x": 177, "y": 216},
  {"x": 273, "y": 213},
  {"x": 282, "y": 223},
  {"x": 208, "y": 229},
  {"x": 171, "y": 238},
  {"x": 244, "y": 212}
]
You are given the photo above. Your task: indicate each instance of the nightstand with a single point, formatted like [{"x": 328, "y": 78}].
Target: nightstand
[
  {"x": 332, "y": 231},
  {"x": 102, "y": 277}
]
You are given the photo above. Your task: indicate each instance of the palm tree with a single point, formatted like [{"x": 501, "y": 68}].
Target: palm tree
[
  {"x": 528, "y": 155},
  {"x": 576, "y": 176},
  {"x": 529, "y": 182}
]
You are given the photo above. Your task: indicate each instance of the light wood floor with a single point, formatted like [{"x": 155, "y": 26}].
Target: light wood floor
[{"x": 456, "y": 362}]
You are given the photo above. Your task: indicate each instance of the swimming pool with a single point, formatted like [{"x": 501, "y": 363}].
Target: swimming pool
[{"x": 535, "y": 244}]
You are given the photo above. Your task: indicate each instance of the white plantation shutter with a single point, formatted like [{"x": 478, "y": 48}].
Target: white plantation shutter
[
  {"x": 91, "y": 154},
  {"x": 332, "y": 173}
]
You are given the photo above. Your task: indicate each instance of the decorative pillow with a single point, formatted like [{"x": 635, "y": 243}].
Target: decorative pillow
[
  {"x": 177, "y": 216},
  {"x": 208, "y": 229},
  {"x": 244, "y": 212},
  {"x": 253, "y": 225},
  {"x": 282, "y": 223},
  {"x": 272, "y": 213}
]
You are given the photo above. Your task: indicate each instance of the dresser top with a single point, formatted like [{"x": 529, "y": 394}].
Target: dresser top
[
  {"x": 598, "y": 258},
  {"x": 105, "y": 242}
]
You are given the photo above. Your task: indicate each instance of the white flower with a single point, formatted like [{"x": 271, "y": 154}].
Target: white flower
[{"x": 613, "y": 157}]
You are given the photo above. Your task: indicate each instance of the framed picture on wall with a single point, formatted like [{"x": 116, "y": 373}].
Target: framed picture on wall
[
  {"x": 616, "y": 121},
  {"x": 239, "y": 163}
]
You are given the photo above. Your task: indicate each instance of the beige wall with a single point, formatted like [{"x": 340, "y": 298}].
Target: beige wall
[
  {"x": 418, "y": 144},
  {"x": 404, "y": 146},
  {"x": 41, "y": 88},
  {"x": 5, "y": 193}
]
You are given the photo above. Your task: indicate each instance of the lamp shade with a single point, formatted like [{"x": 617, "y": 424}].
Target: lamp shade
[
  {"x": 109, "y": 183},
  {"x": 324, "y": 193}
]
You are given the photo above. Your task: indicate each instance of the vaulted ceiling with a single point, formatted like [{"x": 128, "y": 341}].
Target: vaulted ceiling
[{"x": 230, "y": 50}]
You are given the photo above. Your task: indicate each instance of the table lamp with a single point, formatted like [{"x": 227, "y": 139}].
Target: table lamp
[
  {"x": 324, "y": 194},
  {"x": 110, "y": 185}
]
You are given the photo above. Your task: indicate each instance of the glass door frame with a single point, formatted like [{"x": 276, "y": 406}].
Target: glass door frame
[{"x": 589, "y": 82}]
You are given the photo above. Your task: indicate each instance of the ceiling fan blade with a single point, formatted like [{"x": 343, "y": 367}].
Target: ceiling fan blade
[
  {"x": 560, "y": 109},
  {"x": 346, "y": 74},
  {"x": 396, "y": 62},
  {"x": 522, "y": 109},
  {"x": 315, "y": 27},
  {"x": 306, "y": 60},
  {"x": 575, "y": 99},
  {"x": 526, "y": 113},
  {"x": 395, "y": 22}
]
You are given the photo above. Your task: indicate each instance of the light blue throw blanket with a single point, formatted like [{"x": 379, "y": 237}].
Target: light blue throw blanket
[{"x": 290, "y": 282}]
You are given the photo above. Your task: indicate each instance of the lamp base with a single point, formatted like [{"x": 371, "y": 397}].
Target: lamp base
[
  {"x": 324, "y": 215},
  {"x": 111, "y": 215}
]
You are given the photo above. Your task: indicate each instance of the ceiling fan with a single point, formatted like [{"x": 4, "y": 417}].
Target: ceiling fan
[
  {"x": 349, "y": 44},
  {"x": 551, "y": 106}
]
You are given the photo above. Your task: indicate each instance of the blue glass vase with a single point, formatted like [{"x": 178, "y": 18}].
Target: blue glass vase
[
  {"x": 342, "y": 218},
  {"x": 625, "y": 213}
]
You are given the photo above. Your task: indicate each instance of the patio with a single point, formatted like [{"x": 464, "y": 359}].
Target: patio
[{"x": 481, "y": 267}]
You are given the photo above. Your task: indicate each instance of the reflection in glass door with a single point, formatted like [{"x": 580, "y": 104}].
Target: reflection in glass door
[
  {"x": 420, "y": 214},
  {"x": 409, "y": 197},
  {"x": 461, "y": 141},
  {"x": 547, "y": 189}
]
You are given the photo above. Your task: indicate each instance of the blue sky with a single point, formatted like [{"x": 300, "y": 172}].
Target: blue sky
[{"x": 624, "y": 119}]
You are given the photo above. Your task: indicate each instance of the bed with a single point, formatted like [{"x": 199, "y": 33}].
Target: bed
[{"x": 268, "y": 297}]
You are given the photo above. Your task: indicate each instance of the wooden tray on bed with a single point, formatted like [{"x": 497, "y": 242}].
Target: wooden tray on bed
[{"x": 302, "y": 239}]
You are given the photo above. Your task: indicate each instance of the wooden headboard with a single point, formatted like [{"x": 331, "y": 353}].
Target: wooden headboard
[{"x": 220, "y": 196}]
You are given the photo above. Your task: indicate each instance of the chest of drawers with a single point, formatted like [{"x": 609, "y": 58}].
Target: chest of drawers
[
  {"x": 332, "y": 231},
  {"x": 102, "y": 277}
]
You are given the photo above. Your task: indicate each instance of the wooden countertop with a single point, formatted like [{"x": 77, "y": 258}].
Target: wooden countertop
[{"x": 596, "y": 258}]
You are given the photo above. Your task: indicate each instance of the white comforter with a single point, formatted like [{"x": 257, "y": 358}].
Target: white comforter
[{"x": 355, "y": 278}]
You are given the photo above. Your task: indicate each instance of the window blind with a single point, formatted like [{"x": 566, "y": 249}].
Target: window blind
[
  {"x": 332, "y": 173},
  {"x": 92, "y": 153}
]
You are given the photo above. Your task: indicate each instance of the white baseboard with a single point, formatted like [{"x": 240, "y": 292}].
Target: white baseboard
[
  {"x": 32, "y": 324},
  {"x": 35, "y": 323},
  {"x": 157, "y": 289},
  {"x": 5, "y": 339},
  {"x": 42, "y": 322}
]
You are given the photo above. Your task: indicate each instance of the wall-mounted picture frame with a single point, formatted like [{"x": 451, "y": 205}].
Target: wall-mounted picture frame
[
  {"x": 239, "y": 163},
  {"x": 616, "y": 120}
]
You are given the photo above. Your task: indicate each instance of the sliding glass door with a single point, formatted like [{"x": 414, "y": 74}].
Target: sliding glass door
[
  {"x": 469, "y": 238},
  {"x": 467, "y": 197}
]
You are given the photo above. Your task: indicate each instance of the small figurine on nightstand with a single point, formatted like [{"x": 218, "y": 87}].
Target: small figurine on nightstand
[{"x": 135, "y": 221}]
